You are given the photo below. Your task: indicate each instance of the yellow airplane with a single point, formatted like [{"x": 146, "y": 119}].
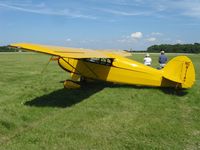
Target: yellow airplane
[{"x": 85, "y": 64}]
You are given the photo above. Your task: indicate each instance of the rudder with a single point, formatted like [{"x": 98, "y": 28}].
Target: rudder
[{"x": 180, "y": 70}]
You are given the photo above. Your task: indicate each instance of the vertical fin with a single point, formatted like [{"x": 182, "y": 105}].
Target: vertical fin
[{"x": 180, "y": 70}]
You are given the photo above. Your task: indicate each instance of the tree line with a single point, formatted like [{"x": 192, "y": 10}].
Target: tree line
[
  {"x": 9, "y": 49},
  {"x": 176, "y": 48}
]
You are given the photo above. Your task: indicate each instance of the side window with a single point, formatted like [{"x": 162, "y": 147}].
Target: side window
[
  {"x": 106, "y": 61},
  {"x": 101, "y": 61}
]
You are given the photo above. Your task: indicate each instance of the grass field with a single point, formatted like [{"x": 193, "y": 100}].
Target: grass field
[{"x": 37, "y": 113}]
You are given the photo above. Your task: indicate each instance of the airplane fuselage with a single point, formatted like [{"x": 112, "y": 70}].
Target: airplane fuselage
[{"x": 122, "y": 70}]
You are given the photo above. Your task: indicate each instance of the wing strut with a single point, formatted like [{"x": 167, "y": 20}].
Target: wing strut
[
  {"x": 45, "y": 67},
  {"x": 71, "y": 66}
]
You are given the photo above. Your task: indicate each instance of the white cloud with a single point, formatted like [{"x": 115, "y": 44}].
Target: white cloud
[
  {"x": 125, "y": 40},
  {"x": 137, "y": 35},
  {"x": 121, "y": 13},
  {"x": 44, "y": 10},
  {"x": 179, "y": 41},
  {"x": 151, "y": 39},
  {"x": 132, "y": 38},
  {"x": 189, "y": 8},
  {"x": 165, "y": 8},
  {"x": 68, "y": 40},
  {"x": 156, "y": 33}
]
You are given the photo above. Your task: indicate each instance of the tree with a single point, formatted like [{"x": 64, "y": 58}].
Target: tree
[{"x": 176, "y": 48}]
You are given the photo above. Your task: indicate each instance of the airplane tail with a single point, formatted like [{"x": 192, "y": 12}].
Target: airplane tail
[{"x": 179, "y": 72}]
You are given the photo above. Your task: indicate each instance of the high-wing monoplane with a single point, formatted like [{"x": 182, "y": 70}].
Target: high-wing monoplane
[{"x": 86, "y": 64}]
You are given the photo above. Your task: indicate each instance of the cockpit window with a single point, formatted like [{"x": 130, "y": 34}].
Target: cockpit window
[{"x": 102, "y": 61}]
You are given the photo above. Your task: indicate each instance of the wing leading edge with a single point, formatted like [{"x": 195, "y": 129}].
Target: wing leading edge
[{"x": 63, "y": 51}]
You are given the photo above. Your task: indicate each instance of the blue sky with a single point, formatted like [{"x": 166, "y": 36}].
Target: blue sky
[{"x": 100, "y": 24}]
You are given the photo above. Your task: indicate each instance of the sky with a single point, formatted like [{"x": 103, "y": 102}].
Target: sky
[{"x": 100, "y": 24}]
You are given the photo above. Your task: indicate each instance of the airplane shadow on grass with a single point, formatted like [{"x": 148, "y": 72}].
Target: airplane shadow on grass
[{"x": 67, "y": 97}]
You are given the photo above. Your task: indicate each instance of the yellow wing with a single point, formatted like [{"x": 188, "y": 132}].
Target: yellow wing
[
  {"x": 117, "y": 53},
  {"x": 64, "y": 52}
]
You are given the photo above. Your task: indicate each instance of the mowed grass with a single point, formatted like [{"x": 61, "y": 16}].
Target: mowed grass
[{"x": 37, "y": 113}]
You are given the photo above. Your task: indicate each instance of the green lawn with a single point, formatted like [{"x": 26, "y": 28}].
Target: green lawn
[{"x": 37, "y": 113}]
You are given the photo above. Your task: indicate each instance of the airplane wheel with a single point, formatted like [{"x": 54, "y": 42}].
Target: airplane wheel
[
  {"x": 69, "y": 84},
  {"x": 82, "y": 79}
]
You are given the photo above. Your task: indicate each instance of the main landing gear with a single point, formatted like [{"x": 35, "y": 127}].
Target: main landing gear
[{"x": 69, "y": 84}]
